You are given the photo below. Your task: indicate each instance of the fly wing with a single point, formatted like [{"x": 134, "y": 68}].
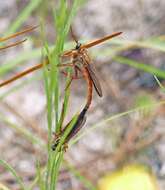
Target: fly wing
[
  {"x": 94, "y": 79},
  {"x": 76, "y": 128},
  {"x": 78, "y": 125}
]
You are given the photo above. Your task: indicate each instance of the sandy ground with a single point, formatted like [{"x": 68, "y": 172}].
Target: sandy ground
[{"x": 121, "y": 86}]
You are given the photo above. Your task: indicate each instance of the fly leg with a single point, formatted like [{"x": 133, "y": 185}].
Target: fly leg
[
  {"x": 65, "y": 146},
  {"x": 56, "y": 139},
  {"x": 73, "y": 77}
]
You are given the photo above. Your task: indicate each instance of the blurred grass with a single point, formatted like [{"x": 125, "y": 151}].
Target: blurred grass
[
  {"x": 108, "y": 119},
  {"x": 62, "y": 21},
  {"x": 13, "y": 172},
  {"x": 86, "y": 183},
  {"x": 19, "y": 86},
  {"x": 24, "y": 15},
  {"x": 141, "y": 66},
  {"x": 29, "y": 136},
  {"x": 160, "y": 84}
]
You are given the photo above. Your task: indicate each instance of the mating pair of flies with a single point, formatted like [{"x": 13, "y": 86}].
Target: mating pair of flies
[{"x": 81, "y": 64}]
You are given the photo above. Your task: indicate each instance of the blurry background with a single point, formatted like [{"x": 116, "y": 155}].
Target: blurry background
[{"x": 135, "y": 138}]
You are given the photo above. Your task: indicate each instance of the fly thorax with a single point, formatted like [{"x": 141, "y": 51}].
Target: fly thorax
[{"x": 86, "y": 56}]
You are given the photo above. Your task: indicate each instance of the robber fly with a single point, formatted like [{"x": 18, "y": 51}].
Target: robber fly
[
  {"x": 79, "y": 54},
  {"x": 81, "y": 63}
]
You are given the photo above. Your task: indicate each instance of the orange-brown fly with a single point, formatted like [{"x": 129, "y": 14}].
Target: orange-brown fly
[
  {"x": 82, "y": 64},
  {"x": 13, "y": 36},
  {"x": 81, "y": 117},
  {"x": 79, "y": 52}
]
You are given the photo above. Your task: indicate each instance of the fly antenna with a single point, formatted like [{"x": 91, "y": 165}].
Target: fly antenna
[
  {"x": 73, "y": 35},
  {"x": 75, "y": 38}
]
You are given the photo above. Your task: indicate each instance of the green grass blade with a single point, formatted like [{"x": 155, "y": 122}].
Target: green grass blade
[
  {"x": 56, "y": 168},
  {"x": 73, "y": 11},
  {"x": 58, "y": 154},
  {"x": 23, "y": 16},
  {"x": 21, "y": 130},
  {"x": 140, "y": 66},
  {"x": 36, "y": 179},
  {"x": 13, "y": 172},
  {"x": 62, "y": 19},
  {"x": 65, "y": 102},
  {"x": 86, "y": 183},
  {"x": 67, "y": 131},
  {"x": 40, "y": 177}
]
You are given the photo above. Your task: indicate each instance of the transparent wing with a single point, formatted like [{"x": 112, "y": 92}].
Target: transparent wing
[{"x": 94, "y": 79}]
